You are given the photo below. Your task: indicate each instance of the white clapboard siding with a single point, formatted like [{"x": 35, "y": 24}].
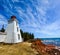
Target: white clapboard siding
[{"x": 2, "y": 36}]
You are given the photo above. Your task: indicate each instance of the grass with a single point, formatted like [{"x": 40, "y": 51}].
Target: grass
[
  {"x": 17, "y": 49},
  {"x": 23, "y": 48}
]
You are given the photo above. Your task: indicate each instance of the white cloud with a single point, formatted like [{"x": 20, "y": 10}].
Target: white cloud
[
  {"x": 34, "y": 17},
  {"x": 3, "y": 20},
  {"x": 52, "y": 29},
  {"x": 15, "y": 1},
  {"x": 38, "y": 25}
]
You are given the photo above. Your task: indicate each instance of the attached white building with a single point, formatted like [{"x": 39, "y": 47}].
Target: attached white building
[
  {"x": 12, "y": 33},
  {"x": 2, "y": 36}
]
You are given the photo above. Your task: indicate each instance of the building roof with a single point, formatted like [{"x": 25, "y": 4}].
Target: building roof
[{"x": 13, "y": 18}]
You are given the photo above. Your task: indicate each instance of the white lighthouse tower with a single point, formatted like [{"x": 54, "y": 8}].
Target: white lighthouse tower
[{"x": 13, "y": 31}]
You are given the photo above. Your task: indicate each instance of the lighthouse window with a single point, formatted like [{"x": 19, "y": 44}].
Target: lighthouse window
[
  {"x": 17, "y": 28},
  {"x": 16, "y": 23},
  {"x": 18, "y": 37}
]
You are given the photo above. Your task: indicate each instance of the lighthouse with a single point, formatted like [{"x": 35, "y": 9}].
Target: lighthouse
[{"x": 13, "y": 31}]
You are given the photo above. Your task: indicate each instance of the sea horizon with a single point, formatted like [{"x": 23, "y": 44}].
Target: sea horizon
[{"x": 52, "y": 41}]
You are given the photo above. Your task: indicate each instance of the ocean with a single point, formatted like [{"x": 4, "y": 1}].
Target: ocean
[{"x": 52, "y": 41}]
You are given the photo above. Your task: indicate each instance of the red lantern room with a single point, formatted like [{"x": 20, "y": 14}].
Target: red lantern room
[{"x": 13, "y": 17}]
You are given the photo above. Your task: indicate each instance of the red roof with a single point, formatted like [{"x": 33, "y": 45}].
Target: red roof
[{"x": 13, "y": 16}]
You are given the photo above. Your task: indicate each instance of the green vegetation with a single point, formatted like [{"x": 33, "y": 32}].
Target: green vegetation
[
  {"x": 2, "y": 29},
  {"x": 26, "y": 36}
]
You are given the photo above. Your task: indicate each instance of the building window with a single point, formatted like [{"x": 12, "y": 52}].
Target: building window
[
  {"x": 18, "y": 37},
  {"x": 17, "y": 29},
  {"x": 16, "y": 23}
]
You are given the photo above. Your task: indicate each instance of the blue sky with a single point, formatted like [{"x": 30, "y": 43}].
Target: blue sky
[{"x": 41, "y": 17}]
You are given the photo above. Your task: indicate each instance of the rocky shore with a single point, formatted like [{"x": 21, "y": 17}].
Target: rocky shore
[{"x": 45, "y": 49}]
